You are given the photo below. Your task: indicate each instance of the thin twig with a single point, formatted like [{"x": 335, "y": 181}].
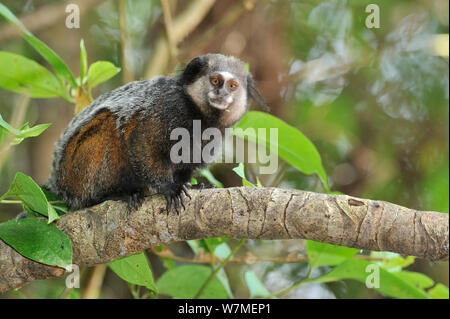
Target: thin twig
[
  {"x": 294, "y": 286},
  {"x": 16, "y": 121},
  {"x": 95, "y": 283},
  {"x": 127, "y": 73},
  {"x": 232, "y": 15},
  {"x": 249, "y": 259},
  {"x": 173, "y": 51},
  {"x": 216, "y": 271},
  {"x": 182, "y": 25},
  {"x": 10, "y": 202}
]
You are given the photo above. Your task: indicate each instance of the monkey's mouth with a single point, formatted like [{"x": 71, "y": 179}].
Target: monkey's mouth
[{"x": 221, "y": 103}]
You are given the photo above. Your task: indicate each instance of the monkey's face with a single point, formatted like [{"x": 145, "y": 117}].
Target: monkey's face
[
  {"x": 220, "y": 90},
  {"x": 220, "y": 86},
  {"x": 224, "y": 89}
]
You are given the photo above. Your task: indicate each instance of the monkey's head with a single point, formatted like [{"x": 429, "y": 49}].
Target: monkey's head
[{"x": 220, "y": 86}]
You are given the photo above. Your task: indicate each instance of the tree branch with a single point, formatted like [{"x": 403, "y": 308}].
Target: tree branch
[{"x": 108, "y": 231}]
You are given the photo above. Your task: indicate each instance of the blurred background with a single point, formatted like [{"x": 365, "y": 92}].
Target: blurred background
[{"x": 374, "y": 101}]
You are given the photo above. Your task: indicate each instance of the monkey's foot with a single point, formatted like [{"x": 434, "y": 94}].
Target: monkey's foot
[
  {"x": 135, "y": 201},
  {"x": 174, "y": 194}
]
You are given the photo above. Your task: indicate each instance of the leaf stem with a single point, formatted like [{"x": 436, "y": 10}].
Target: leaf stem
[
  {"x": 215, "y": 272},
  {"x": 294, "y": 286},
  {"x": 8, "y": 201},
  {"x": 16, "y": 119}
]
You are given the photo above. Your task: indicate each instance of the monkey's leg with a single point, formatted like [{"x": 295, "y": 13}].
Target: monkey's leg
[
  {"x": 161, "y": 177},
  {"x": 183, "y": 177},
  {"x": 135, "y": 200}
]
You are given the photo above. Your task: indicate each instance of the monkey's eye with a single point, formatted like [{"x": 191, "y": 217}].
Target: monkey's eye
[
  {"x": 232, "y": 85},
  {"x": 215, "y": 80}
]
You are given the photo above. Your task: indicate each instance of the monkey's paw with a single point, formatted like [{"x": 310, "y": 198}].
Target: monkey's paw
[
  {"x": 174, "y": 194},
  {"x": 135, "y": 201}
]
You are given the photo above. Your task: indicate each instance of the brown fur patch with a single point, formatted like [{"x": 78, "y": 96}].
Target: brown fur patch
[
  {"x": 93, "y": 156},
  {"x": 129, "y": 126}
]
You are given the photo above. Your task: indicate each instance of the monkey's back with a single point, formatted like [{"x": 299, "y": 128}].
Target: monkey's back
[{"x": 90, "y": 162}]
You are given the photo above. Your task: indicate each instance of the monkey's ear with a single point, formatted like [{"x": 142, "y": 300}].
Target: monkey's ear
[
  {"x": 194, "y": 69},
  {"x": 254, "y": 94}
]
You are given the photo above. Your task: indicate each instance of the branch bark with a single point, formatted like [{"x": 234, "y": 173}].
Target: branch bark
[{"x": 108, "y": 231}]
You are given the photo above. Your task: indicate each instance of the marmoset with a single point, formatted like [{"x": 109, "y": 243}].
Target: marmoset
[{"x": 119, "y": 146}]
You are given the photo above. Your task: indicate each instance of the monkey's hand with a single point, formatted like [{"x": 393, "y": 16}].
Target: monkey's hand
[{"x": 174, "y": 194}]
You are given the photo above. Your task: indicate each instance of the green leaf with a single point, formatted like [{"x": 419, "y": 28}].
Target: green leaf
[
  {"x": 23, "y": 75},
  {"x": 100, "y": 72},
  {"x": 134, "y": 269},
  {"x": 37, "y": 240},
  {"x": 18, "y": 293},
  {"x": 74, "y": 294},
  {"x": 211, "y": 243},
  {"x": 29, "y": 211},
  {"x": 223, "y": 250},
  {"x": 292, "y": 146},
  {"x": 392, "y": 261},
  {"x": 206, "y": 173},
  {"x": 83, "y": 62},
  {"x": 258, "y": 182},
  {"x": 389, "y": 284},
  {"x": 168, "y": 263},
  {"x": 322, "y": 254},
  {"x": 8, "y": 15},
  {"x": 35, "y": 130},
  {"x": 185, "y": 281},
  {"x": 256, "y": 287},
  {"x": 18, "y": 140},
  {"x": 59, "y": 66},
  {"x": 195, "y": 245},
  {"x": 439, "y": 291},
  {"x": 417, "y": 279},
  {"x": 24, "y": 188},
  {"x": 240, "y": 171},
  {"x": 52, "y": 214},
  {"x": 24, "y": 132},
  {"x": 29, "y": 132},
  {"x": 8, "y": 127},
  {"x": 59, "y": 206}
]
